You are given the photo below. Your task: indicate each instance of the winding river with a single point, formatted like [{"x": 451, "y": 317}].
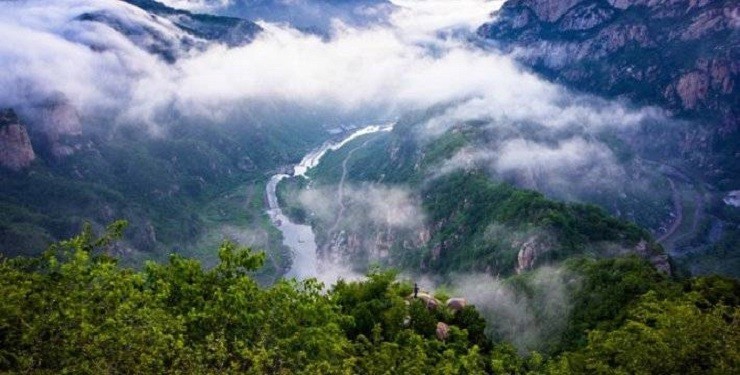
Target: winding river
[{"x": 299, "y": 237}]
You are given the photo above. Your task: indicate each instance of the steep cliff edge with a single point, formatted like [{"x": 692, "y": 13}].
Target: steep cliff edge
[{"x": 16, "y": 151}]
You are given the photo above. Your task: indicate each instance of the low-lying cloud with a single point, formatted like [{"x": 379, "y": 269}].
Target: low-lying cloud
[
  {"x": 381, "y": 71},
  {"x": 365, "y": 206},
  {"x": 528, "y": 319},
  {"x": 420, "y": 58}
]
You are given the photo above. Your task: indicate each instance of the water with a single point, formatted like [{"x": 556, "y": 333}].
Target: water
[{"x": 299, "y": 237}]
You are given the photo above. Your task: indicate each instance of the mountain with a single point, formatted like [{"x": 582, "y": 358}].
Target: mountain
[
  {"x": 135, "y": 137},
  {"x": 682, "y": 55},
  {"x": 170, "y": 32},
  {"x": 231, "y": 31},
  {"x": 310, "y": 15},
  {"x": 63, "y": 164},
  {"x": 388, "y": 199}
]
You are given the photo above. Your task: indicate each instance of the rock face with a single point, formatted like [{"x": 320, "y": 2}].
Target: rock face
[
  {"x": 456, "y": 304},
  {"x": 16, "y": 151},
  {"x": 529, "y": 250},
  {"x": 60, "y": 124},
  {"x": 683, "y": 55},
  {"x": 549, "y": 11},
  {"x": 659, "y": 260},
  {"x": 443, "y": 331}
]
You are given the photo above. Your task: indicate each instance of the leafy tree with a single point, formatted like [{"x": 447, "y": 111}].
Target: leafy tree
[{"x": 663, "y": 336}]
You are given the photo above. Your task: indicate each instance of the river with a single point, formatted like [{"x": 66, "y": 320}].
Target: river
[{"x": 300, "y": 237}]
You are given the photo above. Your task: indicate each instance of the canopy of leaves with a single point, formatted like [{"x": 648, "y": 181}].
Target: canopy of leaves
[{"x": 74, "y": 310}]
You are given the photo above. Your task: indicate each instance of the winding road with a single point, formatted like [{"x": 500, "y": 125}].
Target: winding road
[
  {"x": 678, "y": 209},
  {"x": 676, "y": 177}
]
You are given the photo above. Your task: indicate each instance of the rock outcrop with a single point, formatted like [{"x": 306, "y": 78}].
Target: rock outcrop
[
  {"x": 429, "y": 301},
  {"x": 16, "y": 151},
  {"x": 658, "y": 259},
  {"x": 60, "y": 124},
  {"x": 443, "y": 331},
  {"x": 456, "y": 304},
  {"x": 529, "y": 251}
]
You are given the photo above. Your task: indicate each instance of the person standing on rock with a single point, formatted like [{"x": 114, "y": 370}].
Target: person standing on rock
[{"x": 416, "y": 289}]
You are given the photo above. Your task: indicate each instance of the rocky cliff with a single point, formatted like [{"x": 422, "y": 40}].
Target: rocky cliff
[
  {"x": 682, "y": 55},
  {"x": 16, "y": 151},
  {"x": 58, "y": 123}
]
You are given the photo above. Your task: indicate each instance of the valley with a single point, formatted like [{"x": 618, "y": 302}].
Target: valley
[
  {"x": 300, "y": 238},
  {"x": 369, "y": 187}
]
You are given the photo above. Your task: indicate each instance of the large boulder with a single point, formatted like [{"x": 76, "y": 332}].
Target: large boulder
[
  {"x": 456, "y": 304},
  {"x": 429, "y": 301},
  {"x": 443, "y": 331}
]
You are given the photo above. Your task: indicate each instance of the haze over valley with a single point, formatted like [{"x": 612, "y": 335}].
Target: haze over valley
[{"x": 545, "y": 172}]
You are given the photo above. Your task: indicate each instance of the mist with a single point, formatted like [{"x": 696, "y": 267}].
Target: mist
[
  {"x": 420, "y": 57},
  {"x": 424, "y": 54},
  {"x": 528, "y": 319}
]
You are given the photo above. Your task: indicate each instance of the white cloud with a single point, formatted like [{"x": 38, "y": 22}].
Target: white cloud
[
  {"x": 574, "y": 153},
  {"x": 366, "y": 206},
  {"x": 197, "y": 5},
  {"x": 381, "y": 71},
  {"x": 388, "y": 69}
]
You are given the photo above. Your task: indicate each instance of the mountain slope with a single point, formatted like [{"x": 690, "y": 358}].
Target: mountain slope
[
  {"x": 229, "y": 30},
  {"x": 447, "y": 220},
  {"x": 681, "y": 55},
  {"x": 170, "y": 32},
  {"x": 64, "y": 163}
]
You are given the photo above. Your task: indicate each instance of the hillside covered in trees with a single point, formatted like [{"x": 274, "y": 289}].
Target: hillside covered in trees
[{"x": 74, "y": 310}]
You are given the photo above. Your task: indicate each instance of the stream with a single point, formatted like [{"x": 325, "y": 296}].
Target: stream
[{"x": 300, "y": 237}]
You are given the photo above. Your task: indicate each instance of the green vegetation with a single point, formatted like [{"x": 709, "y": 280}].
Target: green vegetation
[
  {"x": 174, "y": 189},
  {"x": 663, "y": 336},
  {"x": 475, "y": 223},
  {"x": 479, "y": 222},
  {"x": 75, "y": 310}
]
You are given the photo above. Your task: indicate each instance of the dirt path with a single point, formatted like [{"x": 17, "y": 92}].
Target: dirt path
[{"x": 678, "y": 207}]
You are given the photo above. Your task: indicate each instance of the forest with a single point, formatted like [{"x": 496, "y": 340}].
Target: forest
[{"x": 76, "y": 310}]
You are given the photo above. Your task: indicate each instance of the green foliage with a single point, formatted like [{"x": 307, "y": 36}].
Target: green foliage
[
  {"x": 663, "y": 336},
  {"x": 468, "y": 205},
  {"x": 604, "y": 290},
  {"x": 75, "y": 310},
  {"x": 174, "y": 189}
]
